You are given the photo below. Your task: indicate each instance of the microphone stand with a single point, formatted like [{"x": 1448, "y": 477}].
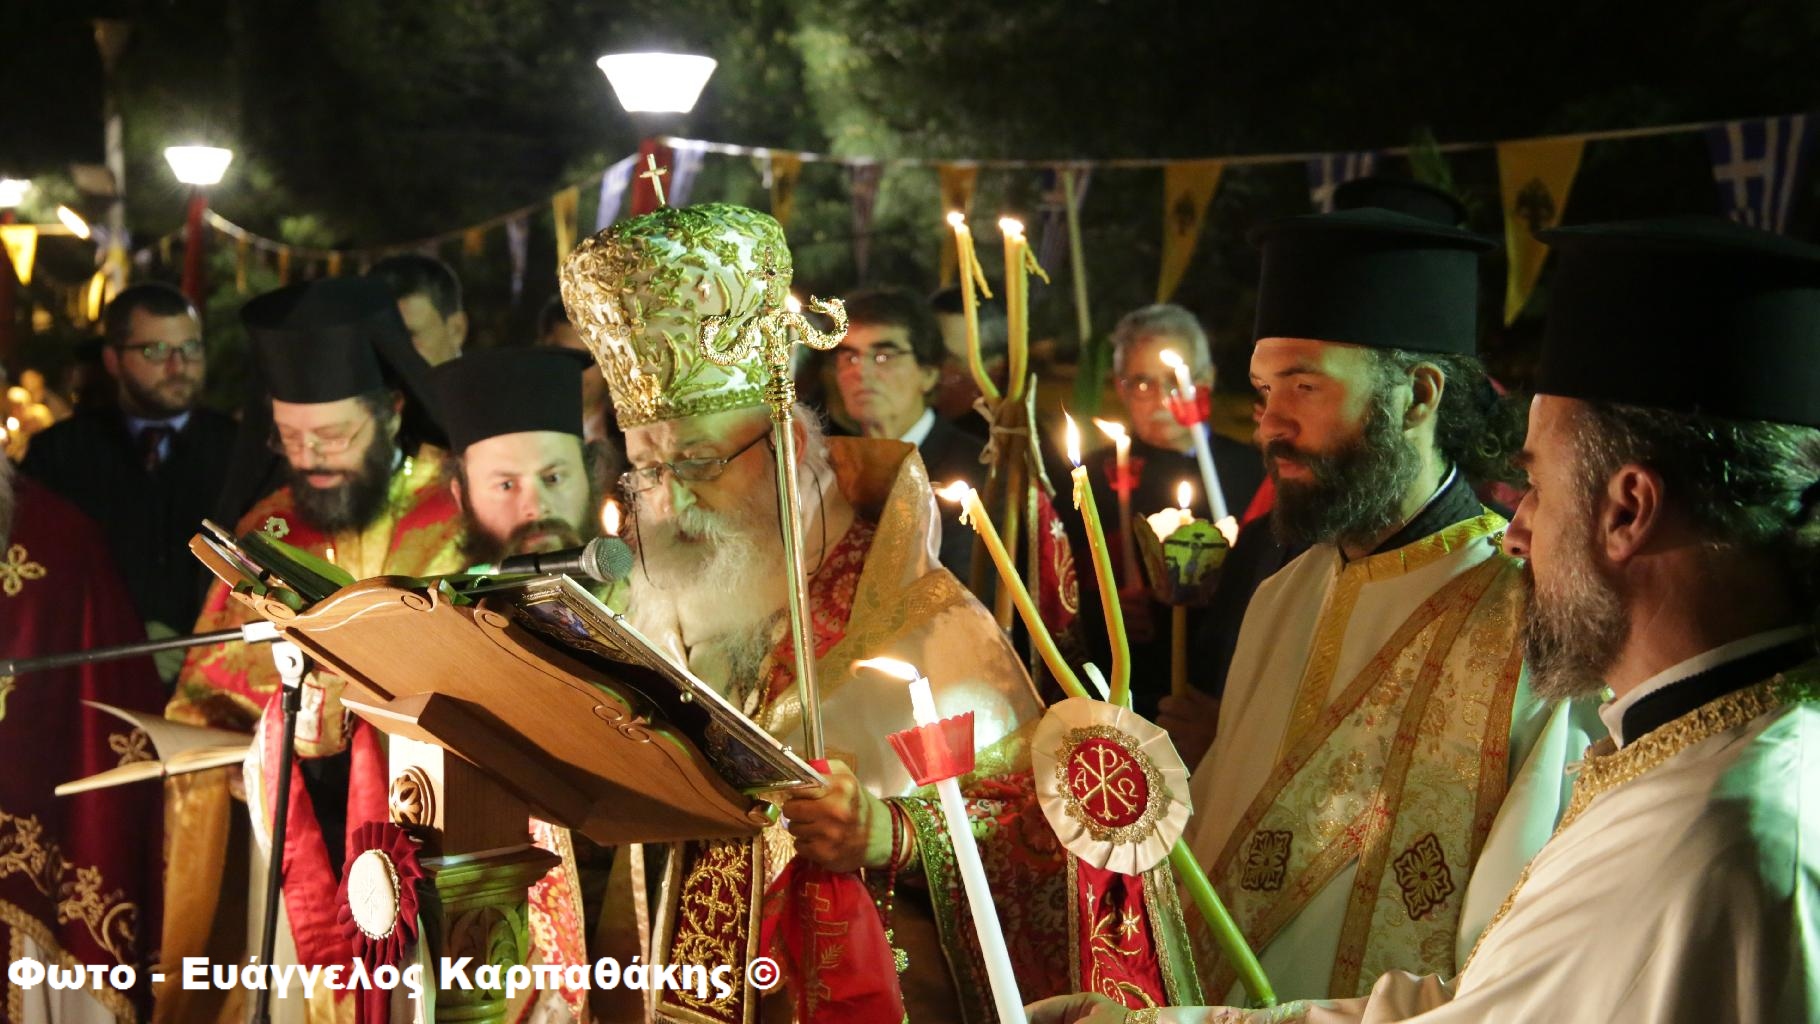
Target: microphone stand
[
  {"x": 289, "y": 658},
  {"x": 20, "y": 666}
]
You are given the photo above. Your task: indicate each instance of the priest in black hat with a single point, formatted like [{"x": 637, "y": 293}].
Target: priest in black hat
[
  {"x": 1375, "y": 714},
  {"x": 523, "y": 475},
  {"x": 1674, "y": 461},
  {"x": 338, "y": 364}
]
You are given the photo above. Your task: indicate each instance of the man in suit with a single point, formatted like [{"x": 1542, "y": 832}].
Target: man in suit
[
  {"x": 148, "y": 467},
  {"x": 885, "y": 369},
  {"x": 429, "y": 300}
]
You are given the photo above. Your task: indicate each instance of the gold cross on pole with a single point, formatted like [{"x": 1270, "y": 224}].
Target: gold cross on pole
[{"x": 654, "y": 173}]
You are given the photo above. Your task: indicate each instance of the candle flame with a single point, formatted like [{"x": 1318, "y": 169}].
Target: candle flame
[
  {"x": 610, "y": 517},
  {"x": 1170, "y": 359},
  {"x": 957, "y": 219},
  {"x": 1011, "y": 227},
  {"x": 892, "y": 667},
  {"x": 793, "y": 304},
  {"x": 1072, "y": 435},
  {"x": 957, "y": 491},
  {"x": 1112, "y": 429},
  {"x": 1184, "y": 495}
]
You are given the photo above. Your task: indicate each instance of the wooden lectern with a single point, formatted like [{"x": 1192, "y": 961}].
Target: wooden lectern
[{"x": 492, "y": 723}]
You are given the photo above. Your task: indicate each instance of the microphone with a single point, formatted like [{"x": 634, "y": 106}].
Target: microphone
[{"x": 603, "y": 560}]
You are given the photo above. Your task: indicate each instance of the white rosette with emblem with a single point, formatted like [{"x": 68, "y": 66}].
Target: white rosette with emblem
[{"x": 1111, "y": 784}]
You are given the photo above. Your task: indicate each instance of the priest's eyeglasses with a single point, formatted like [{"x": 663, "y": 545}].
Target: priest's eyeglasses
[
  {"x": 314, "y": 443},
  {"x": 161, "y": 351},
  {"x": 883, "y": 355},
  {"x": 689, "y": 471}
]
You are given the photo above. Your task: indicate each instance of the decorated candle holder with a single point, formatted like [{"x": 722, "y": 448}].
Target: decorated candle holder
[
  {"x": 942, "y": 750},
  {"x": 1184, "y": 566},
  {"x": 1110, "y": 783}
]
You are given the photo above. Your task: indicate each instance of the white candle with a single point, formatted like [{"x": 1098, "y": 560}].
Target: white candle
[
  {"x": 1203, "y": 448},
  {"x": 1005, "y": 995}
]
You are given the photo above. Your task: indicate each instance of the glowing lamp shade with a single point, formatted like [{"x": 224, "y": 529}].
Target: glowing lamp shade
[
  {"x": 198, "y": 165},
  {"x": 12, "y": 192},
  {"x": 657, "y": 83}
]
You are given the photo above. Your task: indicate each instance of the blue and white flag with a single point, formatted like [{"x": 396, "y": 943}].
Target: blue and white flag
[
  {"x": 685, "y": 164},
  {"x": 1052, "y": 211},
  {"x": 518, "y": 237},
  {"x": 1757, "y": 166},
  {"x": 1329, "y": 172},
  {"x": 613, "y": 186}
]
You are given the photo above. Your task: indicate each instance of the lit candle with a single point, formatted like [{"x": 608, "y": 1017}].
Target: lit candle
[
  {"x": 610, "y": 518},
  {"x": 1122, "y": 485},
  {"x": 1018, "y": 262},
  {"x": 1169, "y": 520},
  {"x": 973, "y": 513},
  {"x": 968, "y": 264},
  {"x": 997, "y": 957},
  {"x": 1102, "y": 570},
  {"x": 1203, "y": 447}
]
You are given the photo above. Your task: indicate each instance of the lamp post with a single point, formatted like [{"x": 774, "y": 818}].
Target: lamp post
[
  {"x": 656, "y": 88},
  {"x": 198, "y": 167}
]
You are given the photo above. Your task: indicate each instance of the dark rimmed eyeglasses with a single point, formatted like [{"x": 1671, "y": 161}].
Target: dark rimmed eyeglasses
[
  {"x": 320, "y": 445},
  {"x": 689, "y": 471}
]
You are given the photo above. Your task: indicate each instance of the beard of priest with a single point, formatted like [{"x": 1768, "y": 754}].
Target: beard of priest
[{"x": 1352, "y": 810}]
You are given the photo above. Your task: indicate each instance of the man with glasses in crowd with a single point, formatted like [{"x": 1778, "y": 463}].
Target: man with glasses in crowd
[
  {"x": 339, "y": 366},
  {"x": 148, "y": 467},
  {"x": 886, "y": 367}
]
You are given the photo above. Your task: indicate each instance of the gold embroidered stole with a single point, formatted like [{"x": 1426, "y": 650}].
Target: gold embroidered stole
[
  {"x": 1605, "y": 769},
  {"x": 1403, "y": 773}
]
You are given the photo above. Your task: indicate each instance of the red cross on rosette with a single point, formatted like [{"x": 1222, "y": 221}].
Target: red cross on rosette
[{"x": 1110, "y": 784}]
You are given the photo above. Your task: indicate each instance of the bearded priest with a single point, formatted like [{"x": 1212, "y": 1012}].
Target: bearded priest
[
  {"x": 709, "y": 586},
  {"x": 1382, "y": 768},
  {"x": 340, "y": 369}
]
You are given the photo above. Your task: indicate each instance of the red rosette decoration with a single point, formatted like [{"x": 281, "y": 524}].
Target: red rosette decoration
[
  {"x": 1190, "y": 412},
  {"x": 376, "y": 906},
  {"x": 935, "y": 752}
]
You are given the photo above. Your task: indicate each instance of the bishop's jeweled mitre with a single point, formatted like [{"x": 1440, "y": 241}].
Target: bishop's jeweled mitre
[{"x": 637, "y": 292}]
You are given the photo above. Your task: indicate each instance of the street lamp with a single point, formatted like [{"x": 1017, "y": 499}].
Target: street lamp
[
  {"x": 657, "y": 83},
  {"x": 198, "y": 167},
  {"x": 12, "y": 192},
  {"x": 662, "y": 87}
]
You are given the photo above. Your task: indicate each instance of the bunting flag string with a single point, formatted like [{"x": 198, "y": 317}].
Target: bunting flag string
[
  {"x": 1756, "y": 165},
  {"x": 518, "y": 238}
]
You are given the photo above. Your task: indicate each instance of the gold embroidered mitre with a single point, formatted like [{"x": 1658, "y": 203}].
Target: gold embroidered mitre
[{"x": 637, "y": 293}]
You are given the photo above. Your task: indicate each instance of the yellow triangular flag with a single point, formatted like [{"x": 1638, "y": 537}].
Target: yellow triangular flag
[
  {"x": 785, "y": 169},
  {"x": 21, "y": 242},
  {"x": 284, "y": 264},
  {"x": 563, "y": 210},
  {"x": 1187, "y": 190},
  {"x": 1534, "y": 177},
  {"x": 957, "y": 181},
  {"x": 92, "y": 296},
  {"x": 334, "y": 264},
  {"x": 241, "y": 246},
  {"x": 474, "y": 241}
]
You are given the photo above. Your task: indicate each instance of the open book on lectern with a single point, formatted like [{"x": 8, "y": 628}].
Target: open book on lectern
[{"x": 532, "y": 679}]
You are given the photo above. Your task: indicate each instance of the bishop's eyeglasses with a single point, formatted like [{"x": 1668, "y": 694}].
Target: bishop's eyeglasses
[
  {"x": 332, "y": 445},
  {"x": 689, "y": 471}
]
